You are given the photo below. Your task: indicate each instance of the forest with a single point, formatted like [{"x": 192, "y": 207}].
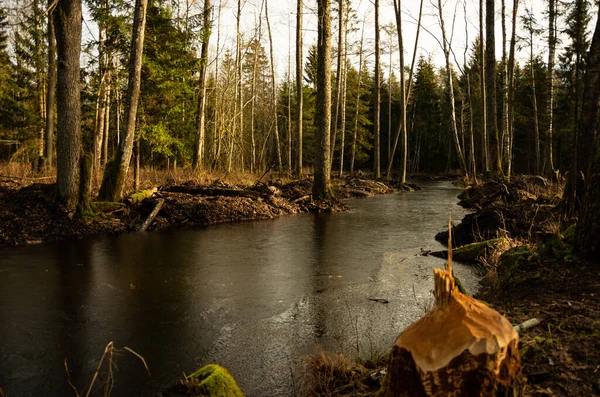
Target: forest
[{"x": 149, "y": 115}]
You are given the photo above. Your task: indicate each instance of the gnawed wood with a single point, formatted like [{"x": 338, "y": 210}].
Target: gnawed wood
[
  {"x": 460, "y": 348},
  {"x": 150, "y": 218},
  {"x": 525, "y": 325}
]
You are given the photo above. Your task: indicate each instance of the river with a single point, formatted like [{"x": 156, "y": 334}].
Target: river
[{"x": 254, "y": 297}]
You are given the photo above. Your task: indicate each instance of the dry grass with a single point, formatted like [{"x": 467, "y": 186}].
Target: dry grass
[
  {"x": 105, "y": 372},
  {"x": 333, "y": 374}
]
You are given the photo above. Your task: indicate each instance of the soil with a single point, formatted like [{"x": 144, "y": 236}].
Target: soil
[
  {"x": 561, "y": 356},
  {"x": 30, "y": 214}
]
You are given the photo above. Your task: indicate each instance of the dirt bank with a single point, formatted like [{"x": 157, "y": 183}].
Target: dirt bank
[{"x": 30, "y": 214}]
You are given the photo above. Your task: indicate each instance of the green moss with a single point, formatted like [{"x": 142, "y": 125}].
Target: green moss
[
  {"x": 470, "y": 252},
  {"x": 213, "y": 381},
  {"x": 458, "y": 283},
  {"x": 569, "y": 234},
  {"x": 511, "y": 260},
  {"x": 138, "y": 197},
  {"x": 106, "y": 206}
]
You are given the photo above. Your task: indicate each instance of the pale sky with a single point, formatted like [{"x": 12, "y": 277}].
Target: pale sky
[{"x": 282, "y": 14}]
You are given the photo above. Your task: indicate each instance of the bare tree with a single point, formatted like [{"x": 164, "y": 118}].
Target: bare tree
[
  {"x": 51, "y": 90},
  {"x": 299, "y": 87},
  {"x": 377, "y": 121},
  {"x": 274, "y": 90},
  {"x": 482, "y": 80},
  {"x": 338, "y": 75},
  {"x": 490, "y": 80},
  {"x": 511, "y": 88},
  {"x": 322, "y": 184},
  {"x": 114, "y": 179},
  {"x": 67, "y": 22},
  {"x": 450, "y": 83},
  {"x": 551, "y": 58},
  {"x": 359, "y": 87},
  {"x": 201, "y": 110}
]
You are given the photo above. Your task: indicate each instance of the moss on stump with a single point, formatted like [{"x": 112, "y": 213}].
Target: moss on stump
[
  {"x": 212, "y": 381},
  {"x": 511, "y": 260}
]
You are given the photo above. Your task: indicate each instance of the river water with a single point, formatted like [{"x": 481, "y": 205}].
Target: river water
[{"x": 255, "y": 297}]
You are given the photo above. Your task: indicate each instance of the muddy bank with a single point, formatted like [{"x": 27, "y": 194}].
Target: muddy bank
[
  {"x": 561, "y": 356},
  {"x": 30, "y": 214}
]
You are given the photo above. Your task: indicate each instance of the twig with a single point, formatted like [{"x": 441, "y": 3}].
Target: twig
[
  {"x": 68, "y": 380},
  {"x": 22, "y": 178},
  {"x": 525, "y": 325}
]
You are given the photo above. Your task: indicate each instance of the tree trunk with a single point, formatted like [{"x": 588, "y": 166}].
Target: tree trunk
[
  {"x": 67, "y": 22},
  {"x": 100, "y": 103},
  {"x": 299, "y": 88},
  {"x": 338, "y": 76},
  {"x": 482, "y": 81},
  {"x": 490, "y": 78},
  {"x": 587, "y": 239},
  {"x": 410, "y": 78},
  {"x": 274, "y": 90},
  {"x": 536, "y": 127},
  {"x": 449, "y": 81},
  {"x": 201, "y": 110},
  {"x": 322, "y": 186},
  {"x": 360, "y": 71},
  {"x": 51, "y": 91},
  {"x": 504, "y": 90},
  {"x": 343, "y": 104},
  {"x": 377, "y": 121},
  {"x": 403, "y": 99},
  {"x": 115, "y": 177},
  {"x": 551, "y": 57},
  {"x": 511, "y": 88}
]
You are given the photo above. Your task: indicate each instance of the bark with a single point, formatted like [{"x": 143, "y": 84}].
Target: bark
[
  {"x": 343, "y": 104},
  {"x": 106, "y": 124},
  {"x": 377, "y": 121},
  {"x": 482, "y": 81},
  {"x": 473, "y": 165},
  {"x": 338, "y": 75},
  {"x": 322, "y": 185},
  {"x": 201, "y": 109},
  {"x": 253, "y": 93},
  {"x": 511, "y": 88},
  {"x": 51, "y": 91},
  {"x": 450, "y": 83},
  {"x": 504, "y": 90},
  {"x": 299, "y": 88},
  {"x": 551, "y": 58},
  {"x": 67, "y": 24},
  {"x": 587, "y": 239},
  {"x": 403, "y": 99},
  {"x": 410, "y": 78},
  {"x": 273, "y": 90},
  {"x": 490, "y": 79},
  {"x": 115, "y": 176},
  {"x": 536, "y": 126},
  {"x": 100, "y": 103},
  {"x": 360, "y": 71}
]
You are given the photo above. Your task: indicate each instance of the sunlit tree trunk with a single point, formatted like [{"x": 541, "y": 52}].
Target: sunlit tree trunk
[
  {"x": 551, "y": 58},
  {"x": 322, "y": 184},
  {"x": 338, "y": 76},
  {"x": 377, "y": 121},
  {"x": 482, "y": 81},
  {"x": 490, "y": 78},
  {"x": 115, "y": 178},
  {"x": 299, "y": 88},
  {"x": 274, "y": 90},
  {"x": 504, "y": 90},
  {"x": 359, "y": 87},
  {"x": 50, "y": 91},
  {"x": 67, "y": 24},
  {"x": 343, "y": 104},
  {"x": 450, "y": 83},
  {"x": 511, "y": 87},
  {"x": 201, "y": 109}
]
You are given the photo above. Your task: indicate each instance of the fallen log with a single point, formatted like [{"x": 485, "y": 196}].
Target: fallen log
[
  {"x": 212, "y": 191},
  {"x": 460, "y": 348},
  {"x": 150, "y": 218}
]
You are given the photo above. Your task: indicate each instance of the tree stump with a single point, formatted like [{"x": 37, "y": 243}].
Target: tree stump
[{"x": 461, "y": 348}]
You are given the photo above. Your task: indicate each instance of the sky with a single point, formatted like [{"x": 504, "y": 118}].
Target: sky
[{"x": 282, "y": 14}]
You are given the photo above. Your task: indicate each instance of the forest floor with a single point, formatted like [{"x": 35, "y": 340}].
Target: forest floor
[
  {"x": 559, "y": 357},
  {"x": 29, "y": 213}
]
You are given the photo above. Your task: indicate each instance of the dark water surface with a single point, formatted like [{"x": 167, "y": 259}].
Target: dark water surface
[{"x": 254, "y": 297}]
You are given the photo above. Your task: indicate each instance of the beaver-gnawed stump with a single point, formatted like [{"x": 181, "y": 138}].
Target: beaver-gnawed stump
[{"x": 461, "y": 348}]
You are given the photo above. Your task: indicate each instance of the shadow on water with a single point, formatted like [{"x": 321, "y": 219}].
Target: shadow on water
[{"x": 254, "y": 297}]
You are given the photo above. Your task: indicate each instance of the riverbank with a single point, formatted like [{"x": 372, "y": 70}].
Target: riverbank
[
  {"x": 530, "y": 271},
  {"x": 30, "y": 215}
]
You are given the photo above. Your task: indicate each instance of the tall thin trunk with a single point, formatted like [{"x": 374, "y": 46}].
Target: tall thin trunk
[
  {"x": 114, "y": 180},
  {"x": 511, "y": 88},
  {"x": 504, "y": 90},
  {"x": 299, "y": 87},
  {"x": 389, "y": 123},
  {"x": 450, "y": 84},
  {"x": 201, "y": 109},
  {"x": 377, "y": 121},
  {"x": 492, "y": 110},
  {"x": 360, "y": 71},
  {"x": 473, "y": 165},
  {"x": 289, "y": 101},
  {"x": 402, "y": 126},
  {"x": 343, "y": 104},
  {"x": 535, "y": 106},
  {"x": 338, "y": 76},
  {"x": 322, "y": 184},
  {"x": 274, "y": 90},
  {"x": 482, "y": 81},
  {"x": 253, "y": 93},
  {"x": 50, "y": 91},
  {"x": 106, "y": 124},
  {"x": 403, "y": 99},
  {"x": 67, "y": 24},
  {"x": 100, "y": 103},
  {"x": 551, "y": 58}
]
